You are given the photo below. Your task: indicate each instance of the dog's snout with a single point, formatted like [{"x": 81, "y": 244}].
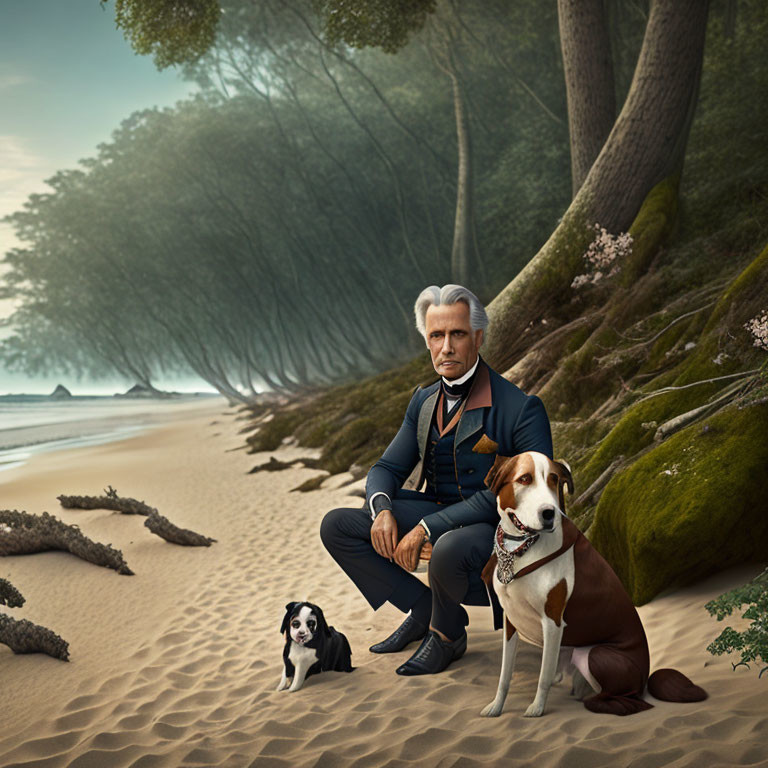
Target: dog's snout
[{"x": 547, "y": 516}]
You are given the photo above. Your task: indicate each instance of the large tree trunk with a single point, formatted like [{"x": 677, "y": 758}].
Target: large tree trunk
[
  {"x": 462, "y": 229},
  {"x": 589, "y": 83},
  {"x": 645, "y": 147}
]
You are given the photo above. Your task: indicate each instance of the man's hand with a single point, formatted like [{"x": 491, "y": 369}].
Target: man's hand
[
  {"x": 384, "y": 533},
  {"x": 407, "y": 552}
]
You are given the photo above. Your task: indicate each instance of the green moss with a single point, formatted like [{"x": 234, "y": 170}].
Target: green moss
[
  {"x": 352, "y": 423},
  {"x": 691, "y": 506},
  {"x": 652, "y": 226}
]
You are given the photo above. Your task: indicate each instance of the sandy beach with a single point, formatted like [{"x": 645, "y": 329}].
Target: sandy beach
[{"x": 177, "y": 665}]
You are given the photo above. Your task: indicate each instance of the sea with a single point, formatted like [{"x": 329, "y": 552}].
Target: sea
[{"x": 32, "y": 424}]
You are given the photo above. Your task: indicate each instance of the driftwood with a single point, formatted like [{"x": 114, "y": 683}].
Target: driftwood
[
  {"x": 155, "y": 522},
  {"x": 23, "y": 534},
  {"x": 684, "y": 419},
  {"x": 167, "y": 530},
  {"x": 275, "y": 465},
  {"x": 9, "y": 595},
  {"x": 25, "y": 637},
  {"x": 110, "y": 500}
]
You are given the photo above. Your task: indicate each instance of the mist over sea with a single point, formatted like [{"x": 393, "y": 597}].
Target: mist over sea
[{"x": 34, "y": 424}]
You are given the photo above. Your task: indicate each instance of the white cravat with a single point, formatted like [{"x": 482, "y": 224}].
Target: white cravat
[{"x": 451, "y": 401}]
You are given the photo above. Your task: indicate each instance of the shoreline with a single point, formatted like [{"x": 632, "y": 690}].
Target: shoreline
[
  {"x": 177, "y": 665},
  {"x": 117, "y": 420}
]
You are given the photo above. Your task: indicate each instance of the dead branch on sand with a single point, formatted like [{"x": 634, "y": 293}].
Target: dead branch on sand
[
  {"x": 167, "y": 530},
  {"x": 110, "y": 500},
  {"x": 25, "y": 637},
  {"x": 24, "y": 534},
  {"x": 9, "y": 595},
  {"x": 156, "y": 523}
]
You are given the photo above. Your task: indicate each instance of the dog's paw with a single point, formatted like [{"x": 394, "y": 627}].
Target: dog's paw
[
  {"x": 492, "y": 710},
  {"x": 535, "y": 710},
  {"x": 282, "y": 685}
]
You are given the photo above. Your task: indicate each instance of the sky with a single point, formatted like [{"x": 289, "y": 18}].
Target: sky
[{"x": 68, "y": 78}]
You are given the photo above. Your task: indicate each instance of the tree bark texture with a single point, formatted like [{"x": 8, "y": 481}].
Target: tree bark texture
[
  {"x": 110, "y": 500},
  {"x": 167, "y": 530},
  {"x": 644, "y": 148},
  {"x": 23, "y": 534},
  {"x": 25, "y": 637},
  {"x": 9, "y": 595},
  {"x": 156, "y": 523},
  {"x": 462, "y": 229},
  {"x": 589, "y": 82}
]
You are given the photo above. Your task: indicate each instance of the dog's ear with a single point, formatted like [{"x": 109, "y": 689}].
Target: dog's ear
[
  {"x": 287, "y": 618},
  {"x": 500, "y": 471},
  {"x": 322, "y": 624},
  {"x": 566, "y": 481}
]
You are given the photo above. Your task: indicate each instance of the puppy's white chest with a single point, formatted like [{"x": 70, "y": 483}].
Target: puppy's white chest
[
  {"x": 524, "y": 600},
  {"x": 300, "y": 655}
]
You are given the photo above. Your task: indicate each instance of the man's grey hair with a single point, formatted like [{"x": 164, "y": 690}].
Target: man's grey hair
[{"x": 449, "y": 294}]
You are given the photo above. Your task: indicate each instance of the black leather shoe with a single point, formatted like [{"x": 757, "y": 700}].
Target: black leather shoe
[
  {"x": 433, "y": 655},
  {"x": 407, "y": 632}
]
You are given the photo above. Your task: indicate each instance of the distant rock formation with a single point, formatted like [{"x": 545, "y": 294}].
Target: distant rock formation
[
  {"x": 60, "y": 393},
  {"x": 140, "y": 391}
]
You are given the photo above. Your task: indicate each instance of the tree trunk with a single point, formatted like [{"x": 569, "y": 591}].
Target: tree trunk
[
  {"x": 462, "y": 228},
  {"x": 589, "y": 81},
  {"x": 645, "y": 147}
]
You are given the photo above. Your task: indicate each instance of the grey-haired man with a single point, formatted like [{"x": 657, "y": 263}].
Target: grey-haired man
[{"x": 452, "y": 432}]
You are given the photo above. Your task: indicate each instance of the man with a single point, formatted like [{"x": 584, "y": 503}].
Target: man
[{"x": 451, "y": 434}]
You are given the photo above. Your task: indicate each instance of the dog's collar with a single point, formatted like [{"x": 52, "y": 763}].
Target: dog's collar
[{"x": 505, "y": 569}]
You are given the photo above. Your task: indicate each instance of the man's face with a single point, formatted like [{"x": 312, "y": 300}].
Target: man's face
[{"x": 452, "y": 343}]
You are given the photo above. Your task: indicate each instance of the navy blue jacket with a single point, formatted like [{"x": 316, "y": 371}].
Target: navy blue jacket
[{"x": 498, "y": 418}]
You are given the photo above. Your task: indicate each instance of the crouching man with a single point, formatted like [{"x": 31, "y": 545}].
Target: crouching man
[{"x": 452, "y": 431}]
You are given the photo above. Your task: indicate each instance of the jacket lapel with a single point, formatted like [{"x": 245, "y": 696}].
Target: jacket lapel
[
  {"x": 425, "y": 420},
  {"x": 480, "y": 397}
]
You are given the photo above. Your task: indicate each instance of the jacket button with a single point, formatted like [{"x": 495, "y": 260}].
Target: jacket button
[{"x": 470, "y": 471}]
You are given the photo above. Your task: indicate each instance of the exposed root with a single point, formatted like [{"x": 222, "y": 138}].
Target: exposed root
[
  {"x": 24, "y": 534},
  {"x": 25, "y": 637},
  {"x": 677, "y": 423},
  {"x": 9, "y": 595},
  {"x": 275, "y": 465},
  {"x": 165, "y": 529},
  {"x": 110, "y": 500},
  {"x": 696, "y": 383}
]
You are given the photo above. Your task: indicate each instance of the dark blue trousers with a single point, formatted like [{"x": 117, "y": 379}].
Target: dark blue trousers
[{"x": 458, "y": 557}]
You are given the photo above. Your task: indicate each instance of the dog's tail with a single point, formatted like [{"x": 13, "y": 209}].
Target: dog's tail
[
  {"x": 616, "y": 705},
  {"x": 671, "y": 685}
]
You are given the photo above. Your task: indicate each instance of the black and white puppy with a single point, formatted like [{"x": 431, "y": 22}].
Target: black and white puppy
[{"x": 311, "y": 646}]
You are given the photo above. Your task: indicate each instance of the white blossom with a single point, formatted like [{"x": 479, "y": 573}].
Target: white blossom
[{"x": 758, "y": 327}]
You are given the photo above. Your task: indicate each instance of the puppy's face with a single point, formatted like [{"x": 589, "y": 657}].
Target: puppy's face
[
  {"x": 303, "y": 625},
  {"x": 529, "y": 492}
]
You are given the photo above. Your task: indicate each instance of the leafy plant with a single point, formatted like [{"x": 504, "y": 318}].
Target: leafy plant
[{"x": 753, "y": 641}]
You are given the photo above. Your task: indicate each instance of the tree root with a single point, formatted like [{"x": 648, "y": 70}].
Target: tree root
[
  {"x": 167, "y": 530},
  {"x": 677, "y": 423},
  {"x": 696, "y": 383},
  {"x": 275, "y": 465},
  {"x": 23, "y": 534},
  {"x": 600, "y": 482},
  {"x": 155, "y": 522},
  {"x": 9, "y": 595},
  {"x": 25, "y": 637},
  {"x": 110, "y": 500}
]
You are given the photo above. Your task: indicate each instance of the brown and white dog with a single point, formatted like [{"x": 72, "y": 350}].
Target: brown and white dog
[{"x": 557, "y": 592}]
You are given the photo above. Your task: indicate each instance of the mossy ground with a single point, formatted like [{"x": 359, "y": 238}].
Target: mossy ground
[{"x": 692, "y": 505}]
